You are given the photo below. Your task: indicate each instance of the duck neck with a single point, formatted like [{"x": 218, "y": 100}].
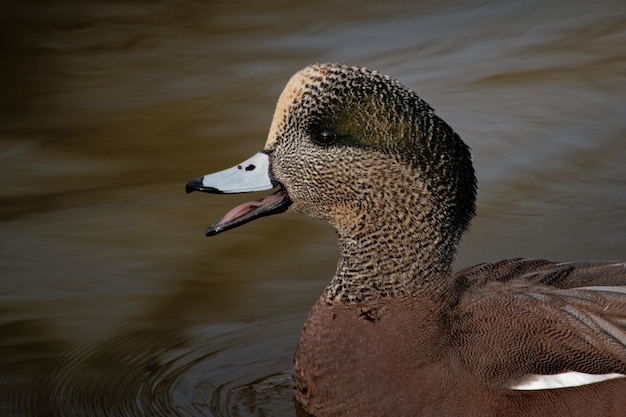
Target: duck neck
[{"x": 388, "y": 259}]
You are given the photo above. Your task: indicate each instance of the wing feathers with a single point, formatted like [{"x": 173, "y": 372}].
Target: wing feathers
[
  {"x": 540, "y": 318},
  {"x": 569, "y": 379}
]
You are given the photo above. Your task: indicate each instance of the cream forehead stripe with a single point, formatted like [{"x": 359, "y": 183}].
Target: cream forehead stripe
[{"x": 299, "y": 82}]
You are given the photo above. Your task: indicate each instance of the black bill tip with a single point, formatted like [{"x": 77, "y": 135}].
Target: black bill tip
[{"x": 196, "y": 185}]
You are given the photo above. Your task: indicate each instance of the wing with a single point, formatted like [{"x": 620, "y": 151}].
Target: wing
[
  {"x": 535, "y": 317},
  {"x": 549, "y": 273}
]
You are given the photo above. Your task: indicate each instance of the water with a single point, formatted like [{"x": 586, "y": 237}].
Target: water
[{"x": 112, "y": 301}]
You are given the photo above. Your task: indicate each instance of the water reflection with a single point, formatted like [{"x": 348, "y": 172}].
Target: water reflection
[{"x": 113, "y": 302}]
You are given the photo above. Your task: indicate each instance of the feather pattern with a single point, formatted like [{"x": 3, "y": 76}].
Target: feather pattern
[{"x": 583, "y": 325}]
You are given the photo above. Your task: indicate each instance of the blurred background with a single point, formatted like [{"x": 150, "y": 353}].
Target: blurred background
[{"x": 113, "y": 303}]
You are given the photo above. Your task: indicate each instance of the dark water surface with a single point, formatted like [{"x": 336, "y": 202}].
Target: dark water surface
[{"x": 113, "y": 303}]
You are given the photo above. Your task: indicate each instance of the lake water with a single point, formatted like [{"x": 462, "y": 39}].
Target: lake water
[{"x": 113, "y": 303}]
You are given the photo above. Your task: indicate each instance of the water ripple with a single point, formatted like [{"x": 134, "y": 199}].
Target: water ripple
[{"x": 223, "y": 370}]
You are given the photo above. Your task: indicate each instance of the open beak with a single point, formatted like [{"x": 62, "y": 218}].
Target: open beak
[{"x": 253, "y": 174}]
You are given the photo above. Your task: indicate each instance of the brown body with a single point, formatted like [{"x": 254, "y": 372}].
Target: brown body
[{"x": 403, "y": 358}]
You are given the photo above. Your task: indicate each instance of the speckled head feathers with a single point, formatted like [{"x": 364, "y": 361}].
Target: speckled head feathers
[{"x": 372, "y": 111}]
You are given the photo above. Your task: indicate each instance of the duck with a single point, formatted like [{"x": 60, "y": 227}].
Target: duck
[{"x": 397, "y": 332}]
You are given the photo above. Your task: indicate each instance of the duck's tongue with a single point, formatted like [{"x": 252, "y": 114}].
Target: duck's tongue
[
  {"x": 251, "y": 175},
  {"x": 272, "y": 204}
]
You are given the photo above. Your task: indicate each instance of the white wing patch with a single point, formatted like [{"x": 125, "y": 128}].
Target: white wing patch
[
  {"x": 574, "y": 379},
  {"x": 564, "y": 380}
]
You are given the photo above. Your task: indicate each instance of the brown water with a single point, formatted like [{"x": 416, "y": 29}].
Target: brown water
[{"x": 113, "y": 303}]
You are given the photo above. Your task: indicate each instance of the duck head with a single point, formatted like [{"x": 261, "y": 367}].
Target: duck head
[{"x": 358, "y": 149}]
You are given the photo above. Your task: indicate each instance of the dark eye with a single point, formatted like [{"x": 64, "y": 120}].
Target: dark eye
[{"x": 325, "y": 137}]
